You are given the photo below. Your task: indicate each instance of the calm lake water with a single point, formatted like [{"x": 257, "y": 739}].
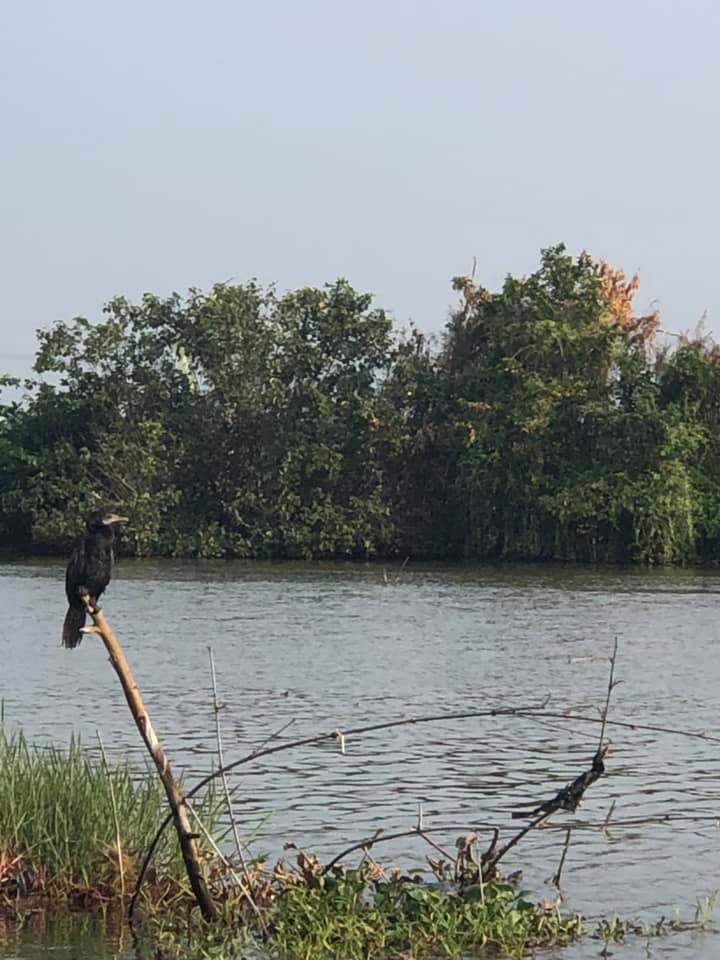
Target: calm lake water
[{"x": 326, "y": 647}]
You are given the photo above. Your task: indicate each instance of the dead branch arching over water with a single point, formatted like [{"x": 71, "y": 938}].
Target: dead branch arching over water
[{"x": 566, "y": 799}]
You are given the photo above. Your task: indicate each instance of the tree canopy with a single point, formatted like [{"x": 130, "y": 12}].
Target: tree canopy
[{"x": 548, "y": 422}]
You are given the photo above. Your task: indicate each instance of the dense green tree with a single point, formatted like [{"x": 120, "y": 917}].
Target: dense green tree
[
  {"x": 565, "y": 451},
  {"x": 231, "y": 423},
  {"x": 547, "y": 424},
  {"x": 689, "y": 383}
]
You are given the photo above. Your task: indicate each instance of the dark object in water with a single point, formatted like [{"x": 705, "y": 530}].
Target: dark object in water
[
  {"x": 570, "y": 796},
  {"x": 88, "y": 571}
]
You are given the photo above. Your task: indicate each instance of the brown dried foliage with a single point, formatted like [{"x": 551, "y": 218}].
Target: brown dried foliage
[{"x": 619, "y": 292}]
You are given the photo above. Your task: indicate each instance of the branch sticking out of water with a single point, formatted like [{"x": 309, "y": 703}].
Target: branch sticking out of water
[
  {"x": 571, "y": 795},
  {"x": 558, "y": 873},
  {"x": 217, "y": 707},
  {"x": 564, "y": 800},
  {"x": 612, "y": 683},
  {"x": 142, "y": 720}
]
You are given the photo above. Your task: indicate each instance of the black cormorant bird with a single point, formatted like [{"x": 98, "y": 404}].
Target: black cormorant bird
[{"x": 88, "y": 571}]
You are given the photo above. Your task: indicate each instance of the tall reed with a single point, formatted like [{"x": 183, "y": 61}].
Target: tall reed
[{"x": 57, "y": 825}]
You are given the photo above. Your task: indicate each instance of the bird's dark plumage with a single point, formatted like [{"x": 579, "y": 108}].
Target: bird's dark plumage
[{"x": 88, "y": 571}]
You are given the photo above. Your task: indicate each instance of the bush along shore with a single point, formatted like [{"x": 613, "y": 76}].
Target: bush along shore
[{"x": 549, "y": 421}]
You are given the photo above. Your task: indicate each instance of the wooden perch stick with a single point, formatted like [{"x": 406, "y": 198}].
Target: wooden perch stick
[{"x": 175, "y": 798}]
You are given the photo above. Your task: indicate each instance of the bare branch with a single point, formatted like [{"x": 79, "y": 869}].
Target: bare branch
[
  {"x": 217, "y": 707},
  {"x": 558, "y": 873},
  {"x": 566, "y": 799}
]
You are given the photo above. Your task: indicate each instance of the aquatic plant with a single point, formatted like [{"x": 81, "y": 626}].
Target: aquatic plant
[
  {"x": 363, "y": 913},
  {"x": 72, "y": 827}
]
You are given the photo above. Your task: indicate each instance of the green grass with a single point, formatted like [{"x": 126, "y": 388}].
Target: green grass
[{"x": 58, "y": 833}]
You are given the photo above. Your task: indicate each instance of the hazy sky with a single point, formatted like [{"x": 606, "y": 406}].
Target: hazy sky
[{"x": 162, "y": 144}]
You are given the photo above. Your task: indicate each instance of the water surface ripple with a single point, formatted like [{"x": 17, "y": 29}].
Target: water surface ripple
[{"x": 327, "y": 647}]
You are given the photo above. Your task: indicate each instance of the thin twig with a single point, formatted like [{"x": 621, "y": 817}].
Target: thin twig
[
  {"x": 606, "y": 821},
  {"x": 624, "y": 724},
  {"x": 226, "y": 789},
  {"x": 118, "y": 844},
  {"x": 150, "y": 853},
  {"x": 402, "y": 568},
  {"x": 221, "y": 856},
  {"x": 611, "y": 685},
  {"x": 520, "y": 713},
  {"x": 558, "y": 872},
  {"x": 368, "y": 856},
  {"x": 435, "y": 846},
  {"x": 366, "y": 844},
  {"x": 492, "y": 862},
  {"x": 273, "y": 736}
]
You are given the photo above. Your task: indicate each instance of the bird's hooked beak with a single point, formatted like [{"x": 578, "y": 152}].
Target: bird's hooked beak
[{"x": 114, "y": 518}]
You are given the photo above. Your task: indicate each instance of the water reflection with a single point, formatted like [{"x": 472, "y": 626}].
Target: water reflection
[
  {"x": 79, "y": 937},
  {"x": 323, "y": 647}
]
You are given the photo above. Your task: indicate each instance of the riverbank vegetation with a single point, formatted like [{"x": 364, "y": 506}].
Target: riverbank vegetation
[
  {"x": 78, "y": 832},
  {"x": 72, "y": 826},
  {"x": 550, "y": 422},
  {"x": 73, "y": 830}
]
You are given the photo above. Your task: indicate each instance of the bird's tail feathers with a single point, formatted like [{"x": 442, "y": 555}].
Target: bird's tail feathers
[{"x": 74, "y": 622}]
